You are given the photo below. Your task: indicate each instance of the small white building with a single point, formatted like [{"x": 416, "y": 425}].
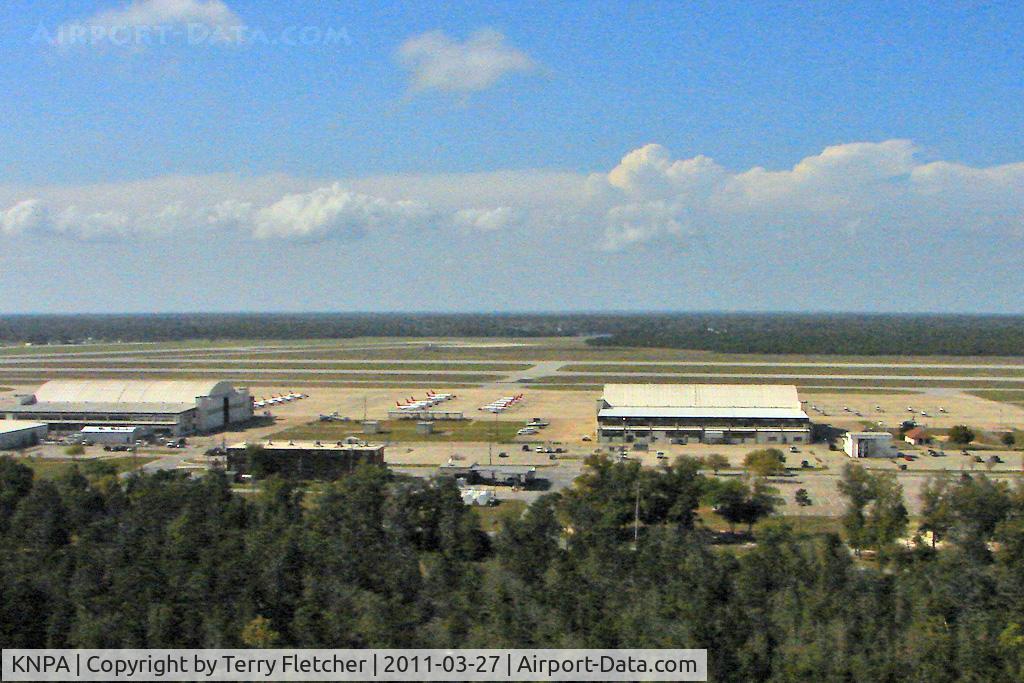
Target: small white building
[
  {"x": 869, "y": 445},
  {"x": 112, "y": 436},
  {"x": 21, "y": 433},
  {"x": 481, "y": 497}
]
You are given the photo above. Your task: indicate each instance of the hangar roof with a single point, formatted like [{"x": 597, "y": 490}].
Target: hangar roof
[
  {"x": 113, "y": 392},
  {"x": 702, "y": 396},
  {"x": 698, "y": 413},
  {"x": 9, "y": 426},
  {"x": 62, "y": 407}
]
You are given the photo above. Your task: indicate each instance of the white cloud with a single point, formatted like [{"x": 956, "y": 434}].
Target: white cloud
[
  {"x": 148, "y": 22},
  {"x": 437, "y": 62},
  {"x": 846, "y": 190},
  {"x": 859, "y": 191},
  {"x": 333, "y": 212},
  {"x": 486, "y": 220},
  {"x": 26, "y": 216}
]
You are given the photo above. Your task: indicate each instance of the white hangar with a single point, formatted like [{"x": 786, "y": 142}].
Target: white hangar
[{"x": 709, "y": 413}]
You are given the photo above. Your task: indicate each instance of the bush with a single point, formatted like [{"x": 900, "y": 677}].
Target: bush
[
  {"x": 961, "y": 434},
  {"x": 802, "y": 498},
  {"x": 765, "y": 462},
  {"x": 1009, "y": 439},
  {"x": 76, "y": 449},
  {"x": 716, "y": 461}
]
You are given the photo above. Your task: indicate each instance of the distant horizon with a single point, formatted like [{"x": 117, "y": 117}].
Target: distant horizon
[{"x": 921, "y": 314}]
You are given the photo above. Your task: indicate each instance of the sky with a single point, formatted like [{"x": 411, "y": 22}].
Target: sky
[{"x": 250, "y": 155}]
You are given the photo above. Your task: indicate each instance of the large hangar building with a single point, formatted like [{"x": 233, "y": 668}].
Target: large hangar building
[
  {"x": 708, "y": 413},
  {"x": 172, "y": 407}
]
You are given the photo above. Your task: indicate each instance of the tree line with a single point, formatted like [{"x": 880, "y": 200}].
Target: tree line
[
  {"x": 618, "y": 560},
  {"x": 844, "y": 334}
]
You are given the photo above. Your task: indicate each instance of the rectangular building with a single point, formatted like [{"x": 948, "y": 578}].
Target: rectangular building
[
  {"x": 707, "y": 413},
  {"x": 499, "y": 475},
  {"x": 111, "y": 436},
  {"x": 171, "y": 407},
  {"x": 869, "y": 445},
  {"x": 306, "y": 460},
  {"x": 20, "y": 433}
]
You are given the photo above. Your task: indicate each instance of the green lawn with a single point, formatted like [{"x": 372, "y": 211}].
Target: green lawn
[
  {"x": 811, "y": 525},
  {"x": 1012, "y": 396},
  {"x": 276, "y": 377},
  {"x": 399, "y": 431},
  {"x": 281, "y": 365},
  {"x": 50, "y": 468},
  {"x": 891, "y": 369},
  {"x": 491, "y": 518},
  {"x": 769, "y": 379}
]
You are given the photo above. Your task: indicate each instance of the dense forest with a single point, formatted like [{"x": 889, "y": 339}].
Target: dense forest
[
  {"x": 91, "y": 560},
  {"x": 851, "y": 334}
]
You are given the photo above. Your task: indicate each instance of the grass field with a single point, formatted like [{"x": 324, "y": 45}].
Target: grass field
[
  {"x": 598, "y": 380},
  {"x": 365, "y": 362},
  {"x": 50, "y": 468},
  {"x": 404, "y": 431},
  {"x": 1016, "y": 397},
  {"x": 896, "y": 369},
  {"x": 492, "y": 518},
  {"x": 286, "y": 365},
  {"x": 271, "y": 377},
  {"x": 802, "y": 525}
]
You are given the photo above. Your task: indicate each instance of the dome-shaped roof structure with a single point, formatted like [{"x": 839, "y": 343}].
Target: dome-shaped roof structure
[{"x": 115, "y": 391}]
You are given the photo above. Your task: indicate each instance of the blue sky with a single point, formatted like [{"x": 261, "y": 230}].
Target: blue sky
[{"x": 245, "y": 155}]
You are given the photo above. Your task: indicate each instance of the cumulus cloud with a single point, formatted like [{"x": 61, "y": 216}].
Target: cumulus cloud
[
  {"x": 846, "y": 189},
  {"x": 26, "y": 216},
  {"x": 144, "y": 22},
  {"x": 437, "y": 62},
  {"x": 333, "y": 212},
  {"x": 486, "y": 220},
  {"x": 863, "y": 190}
]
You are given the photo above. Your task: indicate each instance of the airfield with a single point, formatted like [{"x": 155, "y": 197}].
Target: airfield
[{"x": 560, "y": 379}]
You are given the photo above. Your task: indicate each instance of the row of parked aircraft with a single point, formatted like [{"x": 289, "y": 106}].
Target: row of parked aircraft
[
  {"x": 412, "y": 404},
  {"x": 502, "y": 404},
  {"x": 276, "y": 400}
]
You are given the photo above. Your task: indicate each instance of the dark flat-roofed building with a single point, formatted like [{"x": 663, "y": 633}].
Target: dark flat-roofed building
[
  {"x": 708, "y": 413},
  {"x": 302, "y": 459}
]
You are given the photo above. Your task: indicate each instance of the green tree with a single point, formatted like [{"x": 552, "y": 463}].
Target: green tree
[
  {"x": 936, "y": 512},
  {"x": 875, "y": 515},
  {"x": 765, "y": 462},
  {"x": 1008, "y": 439},
  {"x": 15, "y": 483},
  {"x": 961, "y": 434},
  {"x": 887, "y": 515},
  {"x": 258, "y": 633},
  {"x": 855, "y": 484},
  {"x": 529, "y": 545},
  {"x": 716, "y": 461},
  {"x": 739, "y": 503}
]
